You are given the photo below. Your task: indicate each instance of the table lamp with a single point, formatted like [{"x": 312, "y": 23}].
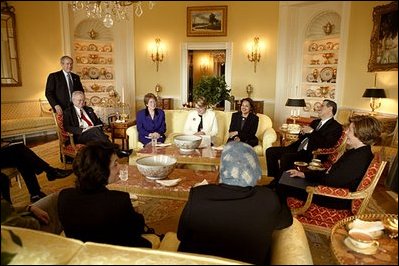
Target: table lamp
[
  {"x": 295, "y": 103},
  {"x": 373, "y": 94}
]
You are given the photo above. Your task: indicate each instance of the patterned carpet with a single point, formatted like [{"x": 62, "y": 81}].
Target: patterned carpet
[{"x": 160, "y": 214}]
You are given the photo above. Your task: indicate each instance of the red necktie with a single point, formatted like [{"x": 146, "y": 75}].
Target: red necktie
[{"x": 85, "y": 118}]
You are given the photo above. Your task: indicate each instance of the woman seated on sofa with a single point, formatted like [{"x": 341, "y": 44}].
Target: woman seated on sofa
[
  {"x": 233, "y": 219},
  {"x": 347, "y": 172},
  {"x": 151, "y": 121},
  {"x": 91, "y": 212},
  {"x": 244, "y": 124},
  {"x": 201, "y": 121}
]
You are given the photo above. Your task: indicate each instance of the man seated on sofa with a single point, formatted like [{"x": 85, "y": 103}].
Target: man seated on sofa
[
  {"x": 83, "y": 123},
  {"x": 321, "y": 133},
  {"x": 233, "y": 219}
]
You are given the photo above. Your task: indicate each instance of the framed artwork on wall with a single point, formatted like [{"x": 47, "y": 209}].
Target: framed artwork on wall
[
  {"x": 384, "y": 38},
  {"x": 207, "y": 21}
]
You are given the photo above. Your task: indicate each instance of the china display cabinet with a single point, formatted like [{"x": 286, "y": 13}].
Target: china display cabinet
[
  {"x": 320, "y": 70},
  {"x": 94, "y": 63}
]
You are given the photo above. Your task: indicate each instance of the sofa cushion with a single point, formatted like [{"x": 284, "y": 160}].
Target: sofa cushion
[{"x": 24, "y": 124}]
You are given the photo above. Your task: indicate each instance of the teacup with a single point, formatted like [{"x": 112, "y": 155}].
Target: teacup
[
  {"x": 301, "y": 166},
  {"x": 360, "y": 238},
  {"x": 284, "y": 126}
]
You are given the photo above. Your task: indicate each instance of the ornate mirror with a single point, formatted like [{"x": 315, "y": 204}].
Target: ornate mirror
[{"x": 10, "y": 72}]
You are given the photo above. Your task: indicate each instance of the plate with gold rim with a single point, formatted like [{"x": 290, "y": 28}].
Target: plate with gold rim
[
  {"x": 95, "y": 100},
  {"x": 326, "y": 73},
  {"x": 92, "y": 47},
  {"x": 313, "y": 47},
  {"x": 94, "y": 73}
]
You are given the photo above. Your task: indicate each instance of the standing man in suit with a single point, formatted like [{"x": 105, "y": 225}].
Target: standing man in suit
[
  {"x": 321, "y": 133},
  {"x": 61, "y": 84}
]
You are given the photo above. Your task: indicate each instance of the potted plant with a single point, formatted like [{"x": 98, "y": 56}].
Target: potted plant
[{"x": 213, "y": 88}]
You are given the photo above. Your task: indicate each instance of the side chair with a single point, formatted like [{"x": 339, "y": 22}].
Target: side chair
[
  {"x": 333, "y": 153},
  {"x": 321, "y": 219},
  {"x": 66, "y": 142}
]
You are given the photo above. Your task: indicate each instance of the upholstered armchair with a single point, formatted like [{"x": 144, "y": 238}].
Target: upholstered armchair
[
  {"x": 322, "y": 219},
  {"x": 66, "y": 142},
  {"x": 333, "y": 153}
]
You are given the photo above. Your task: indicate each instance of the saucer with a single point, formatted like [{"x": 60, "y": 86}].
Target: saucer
[
  {"x": 169, "y": 183},
  {"x": 368, "y": 251}
]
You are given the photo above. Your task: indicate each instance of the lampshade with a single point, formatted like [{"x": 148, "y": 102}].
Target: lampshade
[
  {"x": 295, "y": 102},
  {"x": 374, "y": 93}
]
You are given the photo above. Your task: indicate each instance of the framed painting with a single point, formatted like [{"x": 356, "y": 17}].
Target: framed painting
[
  {"x": 384, "y": 38},
  {"x": 207, "y": 21}
]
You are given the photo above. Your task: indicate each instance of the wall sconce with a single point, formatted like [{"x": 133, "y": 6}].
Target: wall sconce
[
  {"x": 250, "y": 89},
  {"x": 254, "y": 53},
  {"x": 296, "y": 103},
  {"x": 157, "y": 54},
  {"x": 204, "y": 65},
  {"x": 373, "y": 94}
]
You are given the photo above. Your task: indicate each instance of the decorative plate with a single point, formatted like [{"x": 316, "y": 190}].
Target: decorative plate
[
  {"x": 309, "y": 93},
  {"x": 316, "y": 106},
  {"x": 329, "y": 46},
  {"x": 321, "y": 47},
  {"x": 84, "y": 60},
  {"x": 318, "y": 92},
  {"x": 92, "y": 47},
  {"x": 109, "y": 59},
  {"x": 83, "y": 48},
  {"x": 308, "y": 107},
  {"x": 109, "y": 75},
  {"x": 94, "y": 73},
  {"x": 102, "y": 60},
  {"x": 107, "y": 48},
  {"x": 332, "y": 93},
  {"x": 95, "y": 100},
  {"x": 110, "y": 88},
  {"x": 326, "y": 73},
  {"x": 335, "y": 46},
  {"x": 313, "y": 47},
  {"x": 76, "y": 46},
  {"x": 310, "y": 78}
]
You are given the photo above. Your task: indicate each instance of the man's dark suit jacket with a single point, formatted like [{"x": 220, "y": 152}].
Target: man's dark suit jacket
[
  {"x": 248, "y": 131},
  {"x": 103, "y": 216},
  {"x": 57, "y": 89},
  {"x": 71, "y": 122},
  {"x": 326, "y": 137}
]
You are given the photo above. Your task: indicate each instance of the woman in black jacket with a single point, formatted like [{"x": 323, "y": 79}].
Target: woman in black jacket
[{"x": 244, "y": 124}]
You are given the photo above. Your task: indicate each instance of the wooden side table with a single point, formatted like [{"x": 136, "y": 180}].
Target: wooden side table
[
  {"x": 118, "y": 131},
  {"x": 387, "y": 253},
  {"x": 285, "y": 137},
  {"x": 303, "y": 121}
]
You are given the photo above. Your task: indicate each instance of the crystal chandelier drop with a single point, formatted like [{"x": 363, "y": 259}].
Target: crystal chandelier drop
[{"x": 109, "y": 11}]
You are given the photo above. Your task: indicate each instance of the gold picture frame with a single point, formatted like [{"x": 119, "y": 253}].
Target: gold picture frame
[
  {"x": 206, "y": 21},
  {"x": 384, "y": 39}
]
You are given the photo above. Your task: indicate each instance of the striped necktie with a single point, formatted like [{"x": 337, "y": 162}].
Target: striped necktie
[{"x": 85, "y": 118}]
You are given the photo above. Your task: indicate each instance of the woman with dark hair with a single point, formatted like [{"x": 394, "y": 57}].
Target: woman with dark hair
[
  {"x": 347, "y": 172},
  {"x": 91, "y": 212},
  {"x": 151, "y": 121},
  {"x": 244, "y": 124}
]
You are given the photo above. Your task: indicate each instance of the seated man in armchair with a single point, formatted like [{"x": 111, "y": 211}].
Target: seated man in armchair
[{"x": 83, "y": 123}]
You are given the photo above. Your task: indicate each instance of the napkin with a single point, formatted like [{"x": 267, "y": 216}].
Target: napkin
[
  {"x": 163, "y": 144},
  {"x": 367, "y": 225},
  {"x": 203, "y": 182},
  {"x": 169, "y": 183}
]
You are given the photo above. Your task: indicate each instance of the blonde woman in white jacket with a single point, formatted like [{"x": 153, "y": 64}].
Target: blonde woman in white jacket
[{"x": 202, "y": 121}]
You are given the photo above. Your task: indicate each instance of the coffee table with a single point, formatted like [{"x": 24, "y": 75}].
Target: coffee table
[
  {"x": 142, "y": 186},
  {"x": 202, "y": 156}
]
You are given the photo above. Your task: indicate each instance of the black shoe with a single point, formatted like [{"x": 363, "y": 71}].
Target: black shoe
[
  {"x": 35, "y": 198},
  {"x": 123, "y": 153},
  {"x": 55, "y": 173}
]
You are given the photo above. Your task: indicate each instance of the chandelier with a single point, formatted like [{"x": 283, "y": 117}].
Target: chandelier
[{"x": 109, "y": 10}]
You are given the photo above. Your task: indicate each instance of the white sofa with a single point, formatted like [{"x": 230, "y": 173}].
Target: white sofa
[
  {"x": 289, "y": 247},
  {"x": 175, "y": 120}
]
